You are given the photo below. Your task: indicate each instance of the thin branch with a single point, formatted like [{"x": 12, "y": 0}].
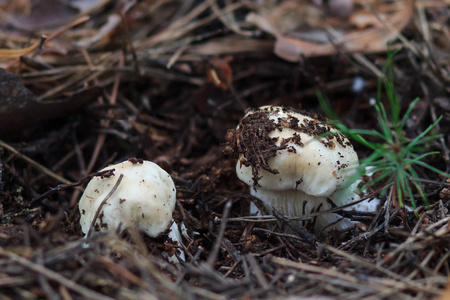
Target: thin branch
[
  {"x": 35, "y": 164},
  {"x": 111, "y": 192}
]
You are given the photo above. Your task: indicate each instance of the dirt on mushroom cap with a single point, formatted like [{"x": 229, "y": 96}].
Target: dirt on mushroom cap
[{"x": 252, "y": 141}]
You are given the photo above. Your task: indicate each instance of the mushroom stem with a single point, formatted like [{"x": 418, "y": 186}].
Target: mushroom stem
[
  {"x": 175, "y": 235},
  {"x": 347, "y": 195},
  {"x": 298, "y": 203}
]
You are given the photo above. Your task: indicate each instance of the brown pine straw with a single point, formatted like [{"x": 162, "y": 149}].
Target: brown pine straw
[{"x": 156, "y": 102}]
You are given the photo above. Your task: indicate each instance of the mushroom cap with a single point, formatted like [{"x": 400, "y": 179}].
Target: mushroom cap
[
  {"x": 293, "y": 156},
  {"x": 145, "y": 198}
]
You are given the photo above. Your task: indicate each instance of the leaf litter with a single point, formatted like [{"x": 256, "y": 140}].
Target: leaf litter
[{"x": 165, "y": 81}]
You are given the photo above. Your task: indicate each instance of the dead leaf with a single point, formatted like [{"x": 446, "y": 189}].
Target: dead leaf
[
  {"x": 50, "y": 13},
  {"x": 446, "y": 294},
  {"x": 372, "y": 39},
  {"x": 340, "y": 8},
  {"x": 219, "y": 72},
  {"x": 287, "y": 17},
  {"x": 363, "y": 19},
  {"x": 17, "y": 6},
  {"x": 295, "y": 15}
]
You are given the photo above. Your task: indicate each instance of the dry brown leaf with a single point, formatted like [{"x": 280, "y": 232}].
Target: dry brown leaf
[
  {"x": 376, "y": 38},
  {"x": 219, "y": 72},
  {"x": 50, "y": 13},
  {"x": 17, "y": 6},
  {"x": 340, "y": 8},
  {"x": 295, "y": 15},
  {"x": 446, "y": 294},
  {"x": 363, "y": 19},
  {"x": 371, "y": 39}
]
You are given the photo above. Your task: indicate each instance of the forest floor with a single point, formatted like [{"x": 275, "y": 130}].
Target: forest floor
[{"x": 165, "y": 81}]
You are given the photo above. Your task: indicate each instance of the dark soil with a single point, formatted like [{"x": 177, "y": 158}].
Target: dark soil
[{"x": 181, "y": 120}]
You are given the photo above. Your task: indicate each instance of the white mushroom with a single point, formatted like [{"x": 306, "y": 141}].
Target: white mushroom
[
  {"x": 144, "y": 199},
  {"x": 295, "y": 163}
]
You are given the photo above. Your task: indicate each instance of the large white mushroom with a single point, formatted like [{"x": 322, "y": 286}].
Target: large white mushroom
[
  {"x": 144, "y": 199},
  {"x": 296, "y": 163}
]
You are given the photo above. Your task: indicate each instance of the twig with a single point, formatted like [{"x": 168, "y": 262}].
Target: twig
[
  {"x": 223, "y": 224},
  {"x": 43, "y": 280},
  {"x": 70, "y": 185},
  {"x": 411, "y": 242},
  {"x": 300, "y": 231},
  {"x": 35, "y": 164},
  {"x": 111, "y": 192},
  {"x": 315, "y": 269},
  {"x": 256, "y": 270},
  {"x": 123, "y": 21},
  {"x": 67, "y": 27},
  {"x": 105, "y": 123},
  {"x": 361, "y": 262},
  {"x": 271, "y": 218}
]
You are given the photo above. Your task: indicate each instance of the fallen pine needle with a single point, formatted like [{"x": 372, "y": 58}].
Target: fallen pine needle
[
  {"x": 35, "y": 164},
  {"x": 52, "y": 275},
  {"x": 6, "y": 54}
]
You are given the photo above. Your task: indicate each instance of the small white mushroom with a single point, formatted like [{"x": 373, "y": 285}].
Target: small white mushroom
[
  {"x": 144, "y": 199},
  {"x": 295, "y": 163}
]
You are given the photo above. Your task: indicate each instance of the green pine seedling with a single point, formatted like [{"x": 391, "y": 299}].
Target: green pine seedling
[{"x": 395, "y": 156}]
